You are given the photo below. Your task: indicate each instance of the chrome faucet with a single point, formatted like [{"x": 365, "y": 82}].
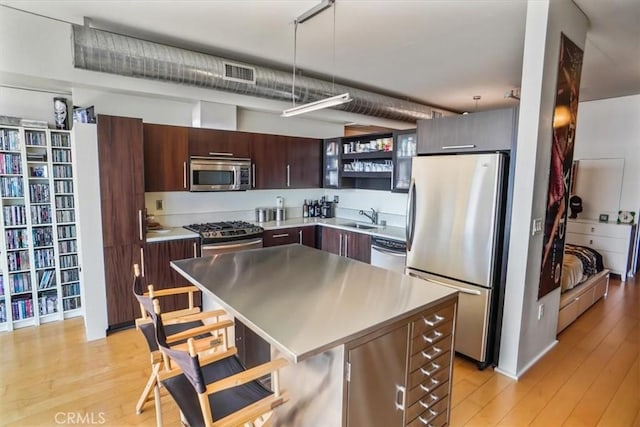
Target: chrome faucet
[{"x": 373, "y": 216}]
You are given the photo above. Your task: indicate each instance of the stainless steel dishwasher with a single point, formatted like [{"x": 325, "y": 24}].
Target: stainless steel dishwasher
[{"x": 389, "y": 254}]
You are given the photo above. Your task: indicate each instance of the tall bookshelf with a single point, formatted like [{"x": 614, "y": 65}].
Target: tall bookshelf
[{"x": 39, "y": 267}]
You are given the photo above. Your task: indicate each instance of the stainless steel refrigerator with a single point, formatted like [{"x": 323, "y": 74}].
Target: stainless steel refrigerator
[{"x": 455, "y": 229}]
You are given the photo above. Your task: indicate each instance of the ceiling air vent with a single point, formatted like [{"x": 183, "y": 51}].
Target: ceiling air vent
[{"x": 239, "y": 73}]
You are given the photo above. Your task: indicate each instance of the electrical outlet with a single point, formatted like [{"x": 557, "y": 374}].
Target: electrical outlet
[
  {"x": 159, "y": 205},
  {"x": 336, "y": 199},
  {"x": 540, "y": 311},
  {"x": 536, "y": 228}
]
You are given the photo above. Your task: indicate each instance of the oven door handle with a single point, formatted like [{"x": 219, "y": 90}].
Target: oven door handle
[
  {"x": 387, "y": 251},
  {"x": 233, "y": 245}
]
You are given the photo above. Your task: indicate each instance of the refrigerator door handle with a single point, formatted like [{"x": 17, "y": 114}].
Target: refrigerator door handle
[
  {"x": 411, "y": 213},
  {"x": 448, "y": 285},
  {"x": 497, "y": 213}
]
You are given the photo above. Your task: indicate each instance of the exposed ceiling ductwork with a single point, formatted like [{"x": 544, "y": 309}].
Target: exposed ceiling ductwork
[{"x": 98, "y": 50}]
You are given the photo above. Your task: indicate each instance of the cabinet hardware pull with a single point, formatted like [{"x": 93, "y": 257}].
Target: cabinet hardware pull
[
  {"x": 184, "y": 174},
  {"x": 455, "y": 147},
  {"x": 431, "y": 339},
  {"x": 428, "y": 389},
  {"x": 142, "y": 260},
  {"x": 140, "y": 224},
  {"x": 215, "y": 153},
  {"x": 434, "y": 322},
  {"x": 276, "y": 236},
  {"x": 427, "y": 421},
  {"x": 300, "y": 235},
  {"x": 436, "y": 351},
  {"x": 431, "y": 372},
  {"x": 288, "y": 176},
  {"x": 400, "y": 392},
  {"x": 340, "y": 246},
  {"x": 253, "y": 174},
  {"x": 593, "y": 229},
  {"x": 346, "y": 245},
  {"x": 195, "y": 250},
  {"x": 591, "y": 242}
]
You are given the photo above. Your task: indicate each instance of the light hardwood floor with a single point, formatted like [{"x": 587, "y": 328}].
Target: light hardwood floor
[{"x": 49, "y": 375}]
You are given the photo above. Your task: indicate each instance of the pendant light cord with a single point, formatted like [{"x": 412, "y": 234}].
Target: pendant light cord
[
  {"x": 295, "y": 44},
  {"x": 333, "y": 65}
]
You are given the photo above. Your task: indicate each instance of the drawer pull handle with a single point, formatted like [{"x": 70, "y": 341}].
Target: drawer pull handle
[
  {"x": 436, "y": 351},
  {"x": 437, "y": 319},
  {"x": 400, "y": 397},
  {"x": 432, "y": 338},
  {"x": 434, "y": 382},
  {"x": 427, "y": 421},
  {"x": 276, "y": 236},
  {"x": 431, "y": 372}
]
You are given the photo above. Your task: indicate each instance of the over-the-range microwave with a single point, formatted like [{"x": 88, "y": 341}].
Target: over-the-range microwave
[{"x": 220, "y": 174}]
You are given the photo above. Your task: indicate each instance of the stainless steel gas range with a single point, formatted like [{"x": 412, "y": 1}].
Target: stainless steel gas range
[{"x": 229, "y": 236}]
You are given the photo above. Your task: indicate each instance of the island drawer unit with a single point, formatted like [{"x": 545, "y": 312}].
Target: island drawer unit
[
  {"x": 612, "y": 241},
  {"x": 409, "y": 367}
]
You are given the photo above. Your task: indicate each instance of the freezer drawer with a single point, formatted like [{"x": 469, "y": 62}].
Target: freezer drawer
[{"x": 472, "y": 321}]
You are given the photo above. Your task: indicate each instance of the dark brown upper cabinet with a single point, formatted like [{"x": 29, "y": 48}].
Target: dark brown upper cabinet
[
  {"x": 285, "y": 162},
  {"x": 166, "y": 158},
  {"x": 214, "y": 143}
]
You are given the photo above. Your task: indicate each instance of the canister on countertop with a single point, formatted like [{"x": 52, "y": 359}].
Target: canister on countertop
[
  {"x": 264, "y": 214},
  {"x": 280, "y": 214}
]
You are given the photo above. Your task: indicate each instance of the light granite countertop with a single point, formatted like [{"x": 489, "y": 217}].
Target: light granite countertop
[{"x": 389, "y": 232}]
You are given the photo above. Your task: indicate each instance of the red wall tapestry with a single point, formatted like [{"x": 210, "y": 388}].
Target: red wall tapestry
[{"x": 565, "y": 115}]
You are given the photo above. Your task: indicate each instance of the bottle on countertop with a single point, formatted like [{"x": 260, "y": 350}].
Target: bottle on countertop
[
  {"x": 305, "y": 209},
  {"x": 316, "y": 208}
]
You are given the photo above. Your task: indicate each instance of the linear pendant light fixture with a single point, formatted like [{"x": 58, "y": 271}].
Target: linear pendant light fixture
[
  {"x": 317, "y": 105},
  {"x": 322, "y": 103}
]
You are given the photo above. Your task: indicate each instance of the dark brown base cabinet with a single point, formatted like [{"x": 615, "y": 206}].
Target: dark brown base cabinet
[
  {"x": 284, "y": 236},
  {"x": 120, "y": 153},
  {"x": 158, "y": 272},
  {"x": 346, "y": 243}
]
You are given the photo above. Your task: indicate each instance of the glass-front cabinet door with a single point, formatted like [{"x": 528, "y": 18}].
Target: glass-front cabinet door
[
  {"x": 331, "y": 164},
  {"x": 404, "y": 149}
]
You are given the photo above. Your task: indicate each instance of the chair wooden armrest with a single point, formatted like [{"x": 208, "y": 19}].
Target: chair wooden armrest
[
  {"x": 172, "y": 291},
  {"x": 246, "y": 376},
  {"x": 202, "y": 345},
  {"x": 194, "y": 332},
  {"x": 193, "y": 317},
  {"x": 253, "y": 411}
]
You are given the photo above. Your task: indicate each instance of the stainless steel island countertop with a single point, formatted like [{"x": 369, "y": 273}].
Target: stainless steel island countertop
[{"x": 305, "y": 301}]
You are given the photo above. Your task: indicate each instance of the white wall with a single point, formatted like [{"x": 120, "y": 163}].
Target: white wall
[
  {"x": 272, "y": 123},
  {"x": 525, "y": 338},
  {"x": 28, "y": 104},
  {"x": 610, "y": 128},
  {"x": 182, "y": 208},
  {"x": 94, "y": 296}
]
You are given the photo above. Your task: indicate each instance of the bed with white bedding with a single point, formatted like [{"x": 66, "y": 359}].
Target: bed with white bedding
[{"x": 584, "y": 281}]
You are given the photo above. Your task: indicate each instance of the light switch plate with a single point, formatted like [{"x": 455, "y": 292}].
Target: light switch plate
[
  {"x": 159, "y": 205},
  {"x": 536, "y": 227}
]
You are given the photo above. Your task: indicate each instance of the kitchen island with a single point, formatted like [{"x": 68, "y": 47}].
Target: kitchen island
[{"x": 367, "y": 346}]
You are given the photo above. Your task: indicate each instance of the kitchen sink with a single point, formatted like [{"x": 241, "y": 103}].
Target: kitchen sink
[{"x": 361, "y": 226}]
